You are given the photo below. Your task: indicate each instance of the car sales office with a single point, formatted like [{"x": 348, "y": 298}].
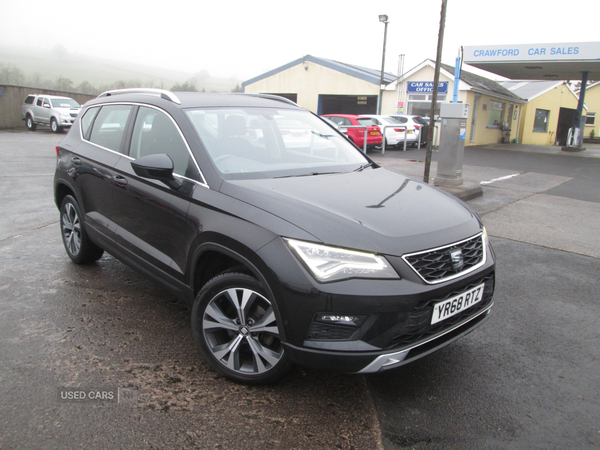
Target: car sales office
[
  {"x": 328, "y": 87},
  {"x": 493, "y": 109}
]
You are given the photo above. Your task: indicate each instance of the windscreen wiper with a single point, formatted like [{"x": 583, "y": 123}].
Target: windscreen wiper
[{"x": 364, "y": 166}]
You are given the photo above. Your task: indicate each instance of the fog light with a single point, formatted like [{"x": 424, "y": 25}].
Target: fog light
[{"x": 340, "y": 319}]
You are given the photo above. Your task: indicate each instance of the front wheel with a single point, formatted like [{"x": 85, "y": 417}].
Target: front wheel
[
  {"x": 78, "y": 245},
  {"x": 236, "y": 330},
  {"x": 54, "y": 126}
]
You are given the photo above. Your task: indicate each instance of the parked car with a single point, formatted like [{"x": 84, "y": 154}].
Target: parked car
[
  {"x": 49, "y": 110},
  {"x": 291, "y": 246},
  {"x": 357, "y": 135},
  {"x": 395, "y": 136},
  {"x": 420, "y": 124}
]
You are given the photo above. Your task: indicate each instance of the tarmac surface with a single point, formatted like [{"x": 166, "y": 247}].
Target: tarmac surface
[{"x": 527, "y": 379}]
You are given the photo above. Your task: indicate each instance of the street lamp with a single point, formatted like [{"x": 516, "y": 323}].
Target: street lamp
[
  {"x": 382, "y": 18},
  {"x": 385, "y": 19}
]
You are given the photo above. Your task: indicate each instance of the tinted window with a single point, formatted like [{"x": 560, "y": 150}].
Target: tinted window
[
  {"x": 87, "y": 120},
  {"x": 29, "y": 99},
  {"x": 39, "y": 101},
  {"x": 268, "y": 143},
  {"x": 109, "y": 126},
  {"x": 366, "y": 121},
  {"x": 155, "y": 132},
  {"x": 420, "y": 120}
]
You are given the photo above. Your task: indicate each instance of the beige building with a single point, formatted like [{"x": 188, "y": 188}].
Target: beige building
[
  {"x": 493, "y": 109},
  {"x": 592, "y": 101},
  {"x": 549, "y": 112},
  {"x": 323, "y": 86},
  {"x": 327, "y": 87}
]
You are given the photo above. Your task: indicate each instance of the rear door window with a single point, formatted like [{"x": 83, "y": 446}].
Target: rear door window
[{"x": 109, "y": 127}]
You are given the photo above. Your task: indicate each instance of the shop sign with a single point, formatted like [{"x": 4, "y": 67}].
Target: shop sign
[{"x": 426, "y": 87}]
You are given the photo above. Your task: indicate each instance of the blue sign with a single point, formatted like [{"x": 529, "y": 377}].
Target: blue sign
[{"x": 426, "y": 87}]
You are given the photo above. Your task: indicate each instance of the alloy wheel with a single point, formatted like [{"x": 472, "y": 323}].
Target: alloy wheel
[{"x": 240, "y": 330}]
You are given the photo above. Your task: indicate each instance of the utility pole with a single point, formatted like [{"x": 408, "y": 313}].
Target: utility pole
[{"x": 436, "y": 82}]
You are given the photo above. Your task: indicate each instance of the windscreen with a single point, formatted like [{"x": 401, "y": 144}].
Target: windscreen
[
  {"x": 64, "y": 103},
  {"x": 247, "y": 143}
]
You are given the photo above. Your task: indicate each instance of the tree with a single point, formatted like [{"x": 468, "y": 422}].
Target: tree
[
  {"x": 63, "y": 84},
  {"x": 11, "y": 75},
  {"x": 237, "y": 88},
  {"x": 85, "y": 87},
  {"x": 184, "y": 87}
]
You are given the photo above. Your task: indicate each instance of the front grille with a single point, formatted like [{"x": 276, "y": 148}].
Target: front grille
[
  {"x": 436, "y": 266},
  {"x": 418, "y": 328}
]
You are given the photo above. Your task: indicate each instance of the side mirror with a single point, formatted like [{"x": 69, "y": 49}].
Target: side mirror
[{"x": 156, "y": 167}]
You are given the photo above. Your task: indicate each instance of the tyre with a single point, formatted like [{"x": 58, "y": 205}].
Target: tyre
[
  {"x": 30, "y": 123},
  {"x": 78, "y": 245},
  {"x": 236, "y": 330},
  {"x": 54, "y": 126}
]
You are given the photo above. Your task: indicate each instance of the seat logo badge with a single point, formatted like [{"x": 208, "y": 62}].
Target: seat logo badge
[{"x": 457, "y": 259}]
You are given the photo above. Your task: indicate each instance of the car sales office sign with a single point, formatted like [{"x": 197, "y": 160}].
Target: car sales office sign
[{"x": 426, "y": 87}]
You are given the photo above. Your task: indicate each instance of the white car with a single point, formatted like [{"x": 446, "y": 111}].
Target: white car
[
  {"x": 420, "y": 124},
  {"x": 394, "y": 136}
]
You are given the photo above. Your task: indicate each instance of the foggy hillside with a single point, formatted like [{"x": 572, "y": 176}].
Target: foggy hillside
[{"x": 56, "y": 67}]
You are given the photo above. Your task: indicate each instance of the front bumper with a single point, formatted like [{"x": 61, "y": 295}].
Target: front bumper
[
  {"x": 401, "y": 343},
  {"x": 372, "y": 362}
]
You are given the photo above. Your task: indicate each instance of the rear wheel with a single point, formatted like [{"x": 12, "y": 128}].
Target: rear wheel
[
  {"x": 236, "y": 330},
  {"x": 30, "y": 123},
  {"x": 54, "y": 126},
  {"x": 78, "y": 245}
]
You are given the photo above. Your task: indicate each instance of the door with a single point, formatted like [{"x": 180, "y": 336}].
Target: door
[
  {"x": 42, "y": 110},
  {"x": 151, "y": 216},
  {"x": 103, "y": 129},
  {"x": 474, "y": 121}
]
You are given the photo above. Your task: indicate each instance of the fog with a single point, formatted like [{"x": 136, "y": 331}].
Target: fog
[{"x": 243, "y": 39}]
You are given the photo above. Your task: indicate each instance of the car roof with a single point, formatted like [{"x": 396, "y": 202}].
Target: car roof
[
  {"x": 195, "y": 99},
  {"x": 347, "y": 116}
]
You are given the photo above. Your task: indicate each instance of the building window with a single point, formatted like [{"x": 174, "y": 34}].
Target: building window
[
  {"x": 420, "y": 104},
  {"x": 590, "y": 119},
  {"x": 496, "y": 114},
  {"x": 540, "y": 123}
]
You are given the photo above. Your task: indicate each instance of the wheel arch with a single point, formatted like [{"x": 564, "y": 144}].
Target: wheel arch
[
  {"x": 61, "y": 190},
  {"x": 213, "y": 258}
]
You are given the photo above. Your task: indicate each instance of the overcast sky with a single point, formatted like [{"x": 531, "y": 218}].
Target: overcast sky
[{"x": 244, "y": 39}]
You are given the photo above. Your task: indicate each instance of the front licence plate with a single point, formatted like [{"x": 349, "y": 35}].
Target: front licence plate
[{"x": 454, "y": 305}]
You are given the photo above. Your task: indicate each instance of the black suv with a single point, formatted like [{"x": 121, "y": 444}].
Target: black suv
[{"x": 290, "y": 244}]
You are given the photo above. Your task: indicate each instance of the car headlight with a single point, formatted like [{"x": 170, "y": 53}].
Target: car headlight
[
  {"x": 334, "y": 264},
  {"x": 65, "y": 115}
]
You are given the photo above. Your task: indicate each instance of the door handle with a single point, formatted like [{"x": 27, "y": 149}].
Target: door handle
[
  {"x": 121, "y": 181},
  {"x": 76, "y": 160}
]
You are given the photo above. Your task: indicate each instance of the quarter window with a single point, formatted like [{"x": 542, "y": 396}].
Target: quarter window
[
  {"x": 540, "y": 123},
  {"x": 109, "y": 126},
  {"x": 86, "y": 122}
]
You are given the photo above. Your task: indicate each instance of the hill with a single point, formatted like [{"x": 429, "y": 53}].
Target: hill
[{"x": 36, "y": 67}]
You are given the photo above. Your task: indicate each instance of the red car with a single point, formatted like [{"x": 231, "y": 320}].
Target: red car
[{"x": 374, "y": 137}]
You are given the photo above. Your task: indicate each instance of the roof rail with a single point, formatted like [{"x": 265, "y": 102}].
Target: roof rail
[
  {"x": 273, "y": 97},
  {"x": 162, "y": 93}
]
